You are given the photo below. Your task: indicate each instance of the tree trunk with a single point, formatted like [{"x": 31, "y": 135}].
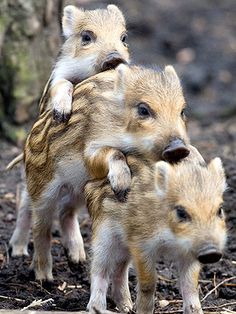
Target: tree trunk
[{"x": 29, "y": 41}]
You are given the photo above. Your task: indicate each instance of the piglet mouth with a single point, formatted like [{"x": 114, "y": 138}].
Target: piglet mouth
[{"x": 111, "y": 61}]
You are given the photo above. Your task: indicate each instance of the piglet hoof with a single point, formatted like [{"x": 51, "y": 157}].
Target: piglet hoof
[
  {"x": 120, "y": 179},
  {"x": 44, "y": 278},
  {"x": 95, "y": 308},
  {"x": 75, "y": 265},
  {"x": 192, "y": 310},
  {"x": 75, "y": 253},
  {"x": 60, "y": 117},
  {"x": 42, "y": 274},
  {"x": 18, "y": 251},
  {"x": 125, "y": 308}
]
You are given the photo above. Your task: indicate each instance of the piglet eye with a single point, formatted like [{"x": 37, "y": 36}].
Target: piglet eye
[
  {"x": 86, "y": 37},
  {"x": 182, "y": 214},
  {"x": 183, "y": 114},
  {"x": 220, "y": 212},
  {"x": 124, "y": 38},
  {"x": 143, "y": 111}
]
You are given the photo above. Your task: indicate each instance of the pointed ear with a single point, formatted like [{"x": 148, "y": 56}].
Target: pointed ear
[
  {"x": 170, "y": 71},
  {"x": 71, "y": 17},
  {"x": 162, "y": 172},
  {"x": 122, "y": 71},
  {"x": 216, "y": 167},
  {"x": 194, "y": 156},
  {"x": 114, "y": 9}
]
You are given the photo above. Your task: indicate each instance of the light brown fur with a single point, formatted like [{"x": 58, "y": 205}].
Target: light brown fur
[{"x": 148, "y": 226}]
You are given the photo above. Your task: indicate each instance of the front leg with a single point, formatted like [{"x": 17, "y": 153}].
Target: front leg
[
  {"x": 111, "y": 162},
  {"x": 61, "y": 99},
  {"x": 188, "y": 281},
  {"x": 146, "y": 274}
]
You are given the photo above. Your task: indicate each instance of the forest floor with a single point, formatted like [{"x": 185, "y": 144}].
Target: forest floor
[{"x": 70, "y": 290}]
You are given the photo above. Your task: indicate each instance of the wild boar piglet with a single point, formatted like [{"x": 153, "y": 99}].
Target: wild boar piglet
[
  {"x": 173, "y": 212},
  {"x": 95, "y": 41},
  {"x": 129, "y": 110}
]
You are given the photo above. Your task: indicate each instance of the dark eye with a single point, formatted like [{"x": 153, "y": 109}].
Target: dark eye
[
  {"x": 220, "y": 212},
  {"x": 86, "y": 37},
  {"x": 124, "y": 38},
  {"x": 143, "y": 111},
  {"x": 183, "y": 114},
  {"x": 182, "y": 214}
]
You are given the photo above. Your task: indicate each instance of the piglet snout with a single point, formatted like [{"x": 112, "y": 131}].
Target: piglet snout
[
  {"x": 209, "y": 254},
  {"x": 175, "y": 151},
  {"x": 112, "y": 61}
]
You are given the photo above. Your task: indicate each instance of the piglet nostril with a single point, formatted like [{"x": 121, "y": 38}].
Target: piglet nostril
[
  {"x": 209, "y": 255},
  {"x": 112, "y": 61},
  {"x": 175, "y": 151}
]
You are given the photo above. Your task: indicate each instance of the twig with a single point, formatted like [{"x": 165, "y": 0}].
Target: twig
[
  {"x": 7, "y": 253},
  {"x": 170, "y": 312},
  {"x": 230, "y": 285},
  {"x": 40, "y": 286},
  {"x": 204, "y": 281},
  {"x": 214, "y": 281},
  {"x": 219, "y": 306},
  {"x": 228, "y": 311},
  {"x": 165, "y": 279},
  {"x": 10, "y": 298},
  {"x": 36, "y": 303},
  {"x": 217, "y": 286},
  {"x": 204, "y": 308}
]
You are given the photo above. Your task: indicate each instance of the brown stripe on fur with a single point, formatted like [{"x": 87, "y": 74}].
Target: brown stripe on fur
[{"x": 40, "y": 123}]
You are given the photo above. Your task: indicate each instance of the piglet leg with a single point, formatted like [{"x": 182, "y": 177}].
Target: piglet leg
[
  {"x": 120, "y": 287},
  {"x": 20, "y": 237},
  {"x": 61, "y": 99},
  {"x": 71, "y": 237},
  {"x": 110, "y": 162},
  {"x": 146, "y": 274},
  {"x": 188, "y": 281},
  {"x": 42, "y": 259}
]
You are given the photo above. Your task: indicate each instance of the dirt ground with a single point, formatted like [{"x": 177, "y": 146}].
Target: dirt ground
[{"x": 199, "y": 38}]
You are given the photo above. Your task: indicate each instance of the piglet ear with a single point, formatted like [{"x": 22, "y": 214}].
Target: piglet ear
[
  {"x": 122, "y": 72},
  {"x": 169, "y": 70},
  {"x": 216, "y": 167},
  {"x": 195, "y": 156},
  {"x": 115, "y": 10},
  {"x": 162, "y": 173},
  {"x": 71, "y": 17}
]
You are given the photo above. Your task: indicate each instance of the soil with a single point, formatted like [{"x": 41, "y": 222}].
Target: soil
[{"x": 206, "y": 67}]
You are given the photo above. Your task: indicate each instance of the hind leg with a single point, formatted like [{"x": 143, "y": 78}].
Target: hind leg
[
  {"x": 42, "y": 259},
  {"x": 107, "y": 249},
  {"x": 20, "y": 237},
  {"x": 120, "y": 286},
  {"x": 71, "y": 237}
]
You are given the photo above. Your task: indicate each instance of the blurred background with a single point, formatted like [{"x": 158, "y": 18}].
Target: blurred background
[{"x": 198, "y": 37}]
